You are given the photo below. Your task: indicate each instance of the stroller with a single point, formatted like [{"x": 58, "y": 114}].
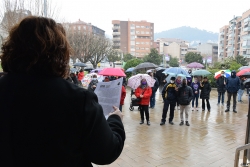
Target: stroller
[{"x": 134, "y": 102}]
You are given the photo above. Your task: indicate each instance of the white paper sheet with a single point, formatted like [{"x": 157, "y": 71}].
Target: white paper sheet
[{"x": 109, "y": 95}]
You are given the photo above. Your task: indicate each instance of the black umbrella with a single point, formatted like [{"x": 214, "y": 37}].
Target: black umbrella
[
  {"x": 88, "y": 69},
  {"x": 79, "y": 64},
  {"x": 146, "y": 65},
  {"x": 246, "y": 74}
]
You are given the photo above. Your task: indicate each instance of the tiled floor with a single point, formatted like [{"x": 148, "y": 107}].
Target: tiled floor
[{"x": 209, "y": 141}]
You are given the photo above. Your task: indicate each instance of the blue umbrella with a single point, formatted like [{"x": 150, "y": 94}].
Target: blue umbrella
[
  {"x": 130, "y": 69},
  {"x": 176, "y": 70}
]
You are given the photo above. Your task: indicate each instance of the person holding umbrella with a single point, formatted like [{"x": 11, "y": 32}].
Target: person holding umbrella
[
  {"x": 144, "y": 92},
  {"x": 205, "y": 93},
  {"x": 221, "y": 87},
  {"x": 169, "y": 93}
]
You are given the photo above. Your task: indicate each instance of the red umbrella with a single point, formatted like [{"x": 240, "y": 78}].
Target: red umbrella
[
  {"x": 112, "y": 72},
  {"x": 241, "y": 72}
]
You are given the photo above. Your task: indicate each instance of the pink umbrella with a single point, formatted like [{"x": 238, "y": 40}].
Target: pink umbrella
[
  {"x": 135, "y": 80},
  {"x": 112, "y": 72},
  {"x": 195, "y": 65}
]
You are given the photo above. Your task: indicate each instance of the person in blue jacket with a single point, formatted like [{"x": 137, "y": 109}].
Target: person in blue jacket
[{"x": 232, "y": 86}]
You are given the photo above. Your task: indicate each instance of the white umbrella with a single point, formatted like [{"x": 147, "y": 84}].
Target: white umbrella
[{"x": 135, "y": 81}]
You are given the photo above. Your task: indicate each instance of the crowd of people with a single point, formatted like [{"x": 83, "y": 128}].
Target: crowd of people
[{"x": 182, "y": 92}]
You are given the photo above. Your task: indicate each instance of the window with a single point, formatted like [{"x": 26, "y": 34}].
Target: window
[
  {"x": 142, "y": 48},
  {"x": 132, "y": 53},
  {"x": 146, "y": 43},
  {"x": 137, "y": 48},
  {"x": 84, "y": 27},
  {"x": 137, "y": 26},
  {"x": 147, "y": 48},
  {"x": 132, "y": 42},
  {"x": 142, "y": 26},
  {"x": 132, "y": 46},
  {"x": 142, "y": 42},
  {"x": 147, "y": 32},
  {"x": 137, "y": 32},
  {"x": 132, "y": 49},
  {"x": 132, "y": 37},
  {"x": 142, "y": 32},
  {"x": 147, "y": 27},
  {"x": 79, "y": 27},
  {"x": 137, "y": 42}
]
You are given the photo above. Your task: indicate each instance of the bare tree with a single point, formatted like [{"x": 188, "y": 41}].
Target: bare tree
[
  {"x": 88, "y": 47},
  {"x": 13, "y": 11},
  {"x": 113, "y": 55}
]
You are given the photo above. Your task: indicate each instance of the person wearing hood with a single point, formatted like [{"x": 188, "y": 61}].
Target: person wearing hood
[
  {"x": 144, "y": 92},
  {"x": 93, "y": 83},
  {"x": 232, "y": 87},
  {"x": 185, "y": 96},
  {"x": 205, "y": 93},
  {"x": 169, "y": 93},
  {"x": 221, "y": 87}
]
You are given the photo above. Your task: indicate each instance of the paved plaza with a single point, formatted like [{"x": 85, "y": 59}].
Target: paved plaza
[{"x": 210, "y": 140}]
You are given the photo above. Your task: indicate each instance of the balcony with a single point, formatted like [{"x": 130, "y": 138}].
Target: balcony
[
  {"x": 231, "y": 36},
  {"x": 116, "y": 39},
  {"x": 230, "y": 42},
  {"x": 247, "y": 20},
  {"x": 116, "y": 33},
  {"x": 117, "y": 44},
  {"x": 246, "y": 55},
  {"x": 222, "y": 38},
  {"x": 246, "y": 29},
  {"x": 116, "y": 28},
  {"x": 246, "y": 47},
  {"x": 246, "y": 37}
]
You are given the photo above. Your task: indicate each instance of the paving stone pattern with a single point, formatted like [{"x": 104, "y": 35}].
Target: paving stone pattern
[{"x": 209, "y": 141}]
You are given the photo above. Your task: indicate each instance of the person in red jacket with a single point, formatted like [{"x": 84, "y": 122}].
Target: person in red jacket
[
  {"x": 123, "y": 95},
  {"x": 144, "y": 92},
  {"x": 80, "y": 75}
]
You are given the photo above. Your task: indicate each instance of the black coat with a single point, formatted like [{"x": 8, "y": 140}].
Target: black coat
[
  {"x": 205, "y": 90},
  {"x": 221, "y": 87},
  {"x": 51, "y": 122},
  {"x": 156, "y": 85},
  {"x": 185, "y": 95}
]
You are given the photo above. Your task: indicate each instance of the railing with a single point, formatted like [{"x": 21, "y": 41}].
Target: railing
[
  {"x": 246, "y": 37},
  {"x": 247, "y": 29},
  {"x": 116, "y": 39},
  {"x": 116, "y": 28},
  {"x": 247, "y": 20},
  {"x": 116, "y": 33},
  {"x": 237, "y": 153}
]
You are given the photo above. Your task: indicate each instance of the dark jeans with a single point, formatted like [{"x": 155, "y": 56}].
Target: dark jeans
[
  {"x": 152, "y": 100},
  {"x": 196, "y": 99},
  {"x": 221, "y": 94},
  {"x": 168, "y": 103},
  {"x": 229, "y": 99},
  {"x": 203, "y": 104},
  {"x": 144, "y": 109}
]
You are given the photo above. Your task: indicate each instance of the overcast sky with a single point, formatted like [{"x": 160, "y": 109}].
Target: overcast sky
[{"x": 165, "y": 14}]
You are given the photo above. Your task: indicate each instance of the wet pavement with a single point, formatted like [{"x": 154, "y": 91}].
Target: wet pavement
[{"x": 210, "y": 140}]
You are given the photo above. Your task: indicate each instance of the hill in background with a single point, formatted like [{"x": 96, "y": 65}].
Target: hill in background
[{"x": 192, "y": 35}]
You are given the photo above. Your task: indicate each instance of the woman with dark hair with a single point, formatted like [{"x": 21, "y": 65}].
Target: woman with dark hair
[
  {"x": 144, "y": 92},
  {"x": 44, "y": 119}
]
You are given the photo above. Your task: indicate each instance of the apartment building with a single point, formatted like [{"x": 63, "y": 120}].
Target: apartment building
[
  {"x": 177, "y": 50},
  {"x": 84, "y": 27},
  {"x": 209, "y": 52},
  {"x": 134, "y": 37},
  {"x": 163, "y": 42},
  {"x": 234, "y": 38}
]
